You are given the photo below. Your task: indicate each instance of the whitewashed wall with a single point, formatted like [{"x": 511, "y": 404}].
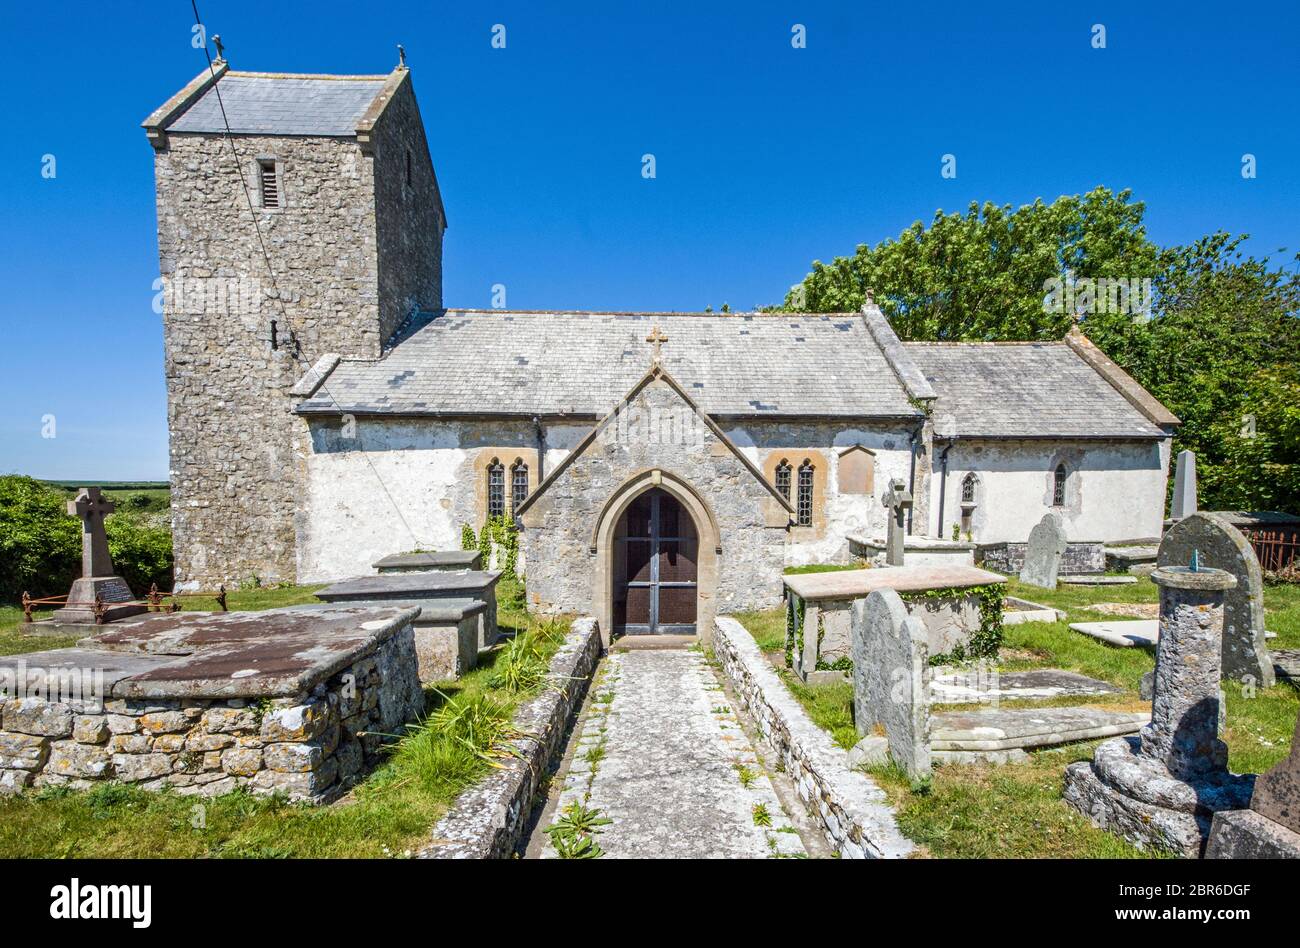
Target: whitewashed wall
[
  {"x": 355, "y": 488},
  {"x": 1115, "y": 490},
  {"x": 845, "y": 513}
]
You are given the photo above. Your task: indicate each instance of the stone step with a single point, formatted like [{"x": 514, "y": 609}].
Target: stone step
[
  {"x": 1021, "y": 728},
  {"x": 631, "y": 643}
]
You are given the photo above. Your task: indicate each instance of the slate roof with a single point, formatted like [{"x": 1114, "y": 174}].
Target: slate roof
[
  {"x": 270, "y": 104},
  {"x": 496, "y": 361},
  {"x": 1025, "y": 390}
]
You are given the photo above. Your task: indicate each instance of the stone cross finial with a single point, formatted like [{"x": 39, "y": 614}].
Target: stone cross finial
[
  {"x": 221, "y": 49},
  {"x": 657, "y": 337},
  {"x": 91, "y": 506},
  {"x": 401, "y": 56}
]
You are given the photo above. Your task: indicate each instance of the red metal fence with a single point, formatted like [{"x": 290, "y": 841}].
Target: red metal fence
[{"x": 1277, "y": 549}]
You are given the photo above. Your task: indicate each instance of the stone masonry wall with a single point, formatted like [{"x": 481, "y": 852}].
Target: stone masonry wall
[
  {"x": 353, "y": 250},
  {"x": 310, "y": 746},
  {"x": 557, "y": 547},
  {"x": 409, "y": 217},
  {"x": 853, "y": 813},
  {"x": 490, "y": 818}
]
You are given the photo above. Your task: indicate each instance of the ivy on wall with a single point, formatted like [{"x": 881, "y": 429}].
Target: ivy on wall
[
  {"x": 987, "y": 640},
  {"x": 502, "y": 533}
]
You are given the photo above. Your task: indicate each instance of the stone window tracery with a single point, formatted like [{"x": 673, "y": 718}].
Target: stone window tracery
[
  {"x": 783, "y": 471},
  {"x": 496, "y": 489},
  {"x": 1058, "y": 486},
  {"x": 804, "y": 505},
  {"x": 518, "y": 484}
]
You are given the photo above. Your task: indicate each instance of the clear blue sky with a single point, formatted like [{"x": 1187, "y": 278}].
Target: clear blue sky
[{"x": 767, "y": 156}]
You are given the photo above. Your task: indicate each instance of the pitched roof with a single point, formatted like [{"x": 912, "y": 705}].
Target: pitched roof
[
  {"x": 1024, "y": 390},
  {"x": 529, "y": 363},
  {"x": 656, "y": 372},
  {"x": 281, "y": 104}
]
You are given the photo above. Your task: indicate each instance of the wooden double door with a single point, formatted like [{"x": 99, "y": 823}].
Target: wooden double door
[{"x": 656, "y": 549}]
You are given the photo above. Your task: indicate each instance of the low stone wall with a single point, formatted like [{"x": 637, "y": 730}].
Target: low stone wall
[
  {"x": 1078, "y": 559},
  {"x": 311, "y": 746},
  {"x": 850, "y": 808},
  {"x": 489, "y": 819}
]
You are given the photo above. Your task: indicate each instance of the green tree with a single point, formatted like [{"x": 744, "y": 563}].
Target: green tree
[{"x": 1219, "y": 345}]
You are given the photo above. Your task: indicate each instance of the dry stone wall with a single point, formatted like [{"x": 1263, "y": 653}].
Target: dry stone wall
[
  {"x": 311, "y": 746},
  {"x": 851, "y": 809}
]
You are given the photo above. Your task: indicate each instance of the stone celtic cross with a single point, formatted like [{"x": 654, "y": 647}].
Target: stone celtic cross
[
  {"x": 657, "y": 337},
  {"x": 91, "y": 506},
  {"x": 898, "y": 500}
]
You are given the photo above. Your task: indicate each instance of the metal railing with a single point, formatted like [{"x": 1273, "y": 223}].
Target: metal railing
[{"x": 154, "y": 601}]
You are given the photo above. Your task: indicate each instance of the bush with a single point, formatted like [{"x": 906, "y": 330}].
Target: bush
[{"x": 40, "y": 544}]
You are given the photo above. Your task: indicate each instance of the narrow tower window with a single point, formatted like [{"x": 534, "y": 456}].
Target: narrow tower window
[
  {"x": 270, "y": 182},
  {"x": 1058, "y": 486},
  {"x": 804, "y": 508}
]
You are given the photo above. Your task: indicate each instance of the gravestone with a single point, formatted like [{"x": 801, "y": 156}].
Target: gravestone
[
  {"x": 1223, "y": 546},
  {"x": 98, "y": 581},
  {"x": 897, "y": 499},
  {"x": 1184, "y": 502},
  {"x": 891, "y": 679},
  {"x": 1044, "y": 552},
  {"x": 1270, "y": 829},
  {"x": 1162, "y": 788}
]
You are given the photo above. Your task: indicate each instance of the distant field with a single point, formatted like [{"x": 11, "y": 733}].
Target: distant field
[
  {"x": 140, "y": 496},
  {"x": 112, "y": 485}
]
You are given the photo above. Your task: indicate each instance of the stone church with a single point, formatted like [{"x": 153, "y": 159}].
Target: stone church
[{"x": 326, "y": 409}]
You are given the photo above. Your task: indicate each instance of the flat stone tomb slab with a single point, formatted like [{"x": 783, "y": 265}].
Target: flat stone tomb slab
[
  {"x": 1028, "y": 727},
  {"x": 1124, "y": 632},
  {"x": 957, "y": 688},
  {"x": 1097, "y": 580},
  {"x": 406, "y": 587},
  {"x": 242, "y": 654},
  {"x": 860, "y": 583},
  {"x": 441, "y": 560}
]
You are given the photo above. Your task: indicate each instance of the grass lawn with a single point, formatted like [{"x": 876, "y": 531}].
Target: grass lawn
[
  {"x": 391, "y": 812},
  {"x": 1015, "y": 810}
]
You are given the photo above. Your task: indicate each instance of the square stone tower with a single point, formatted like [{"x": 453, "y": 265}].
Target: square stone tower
[{"x": 299, "y": 219}]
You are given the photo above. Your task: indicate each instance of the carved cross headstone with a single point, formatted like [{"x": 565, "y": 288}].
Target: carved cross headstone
[
  {"x": 97, "y": 595},
  {"x": 91, "y": 506},
  {"x": 657, "y": 337},
  {"x": 898, "y": 500}
]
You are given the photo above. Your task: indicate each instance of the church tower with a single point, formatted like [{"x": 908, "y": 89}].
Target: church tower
[{"x": 299, "y": 221}]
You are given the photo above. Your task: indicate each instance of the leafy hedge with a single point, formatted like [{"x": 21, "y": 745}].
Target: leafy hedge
[{"x": 40, "y": 544}]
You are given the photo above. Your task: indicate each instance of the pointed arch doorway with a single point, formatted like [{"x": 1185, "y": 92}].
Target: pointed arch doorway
[{"x": 655, "y": 568}]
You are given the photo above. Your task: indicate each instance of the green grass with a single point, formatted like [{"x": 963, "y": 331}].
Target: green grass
[
  {"x": 389, "y": 813},
  {"x": 820, "y": 568},
  {"x": 1016, "y": 810}
]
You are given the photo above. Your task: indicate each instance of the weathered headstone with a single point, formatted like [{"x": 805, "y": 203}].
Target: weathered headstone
[
  {"x": 897, "y": 500},
  {"x": 1270, "y": 829},
  {"x": 1184, "y": 502},
  {"x": 891, "y": 679},
  {"x": 1045, "y": 549},
  {"x": 1162, "y": 788},
  {"x": 1221, "y": 545},
  {"x": 97, "y": 582}
]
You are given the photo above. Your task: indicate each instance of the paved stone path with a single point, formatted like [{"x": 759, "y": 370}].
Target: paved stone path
[{"x": 662, "y": 755}]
